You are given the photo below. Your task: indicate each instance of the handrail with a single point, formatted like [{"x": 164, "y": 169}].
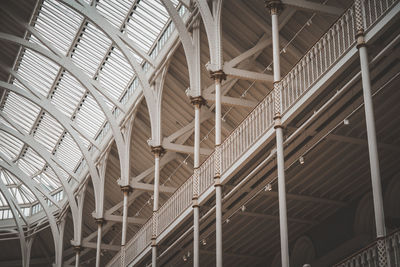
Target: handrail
[
  {"x": 331, "y": 47},
  {"x": 368, "y": 256}
]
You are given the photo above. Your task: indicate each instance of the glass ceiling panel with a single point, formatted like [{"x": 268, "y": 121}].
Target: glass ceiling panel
[
  {"x": 9, "y": 145},
  {"x": 146, "y": 22},
  {"x": 91, "y": 49},
  {"x": 21, "y": 111},
  {"x": 68, "y": 94},
  {"x": 58, "y": 24},
  {"x": 93, "y": 52},
  {"x": 90, "y": 116},
  {"x": 115, "y": 11},
  {"x": 48, "y": 132},
  {"x": 3, "y": 201},
  {"x": 38, "y": 71},
  {"x": 116, "y": 74},
  {"x": 68, "y": 152},
  {"x": 32, "y": 159}
]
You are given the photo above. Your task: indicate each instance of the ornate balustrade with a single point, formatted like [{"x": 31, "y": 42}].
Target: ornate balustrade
[
  {"x": 368, "y": 256},
  {"x": 331, "y": 47}
]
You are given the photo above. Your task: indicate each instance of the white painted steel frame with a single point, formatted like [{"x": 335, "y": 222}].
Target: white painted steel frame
[{"x": 332, "y": 69}]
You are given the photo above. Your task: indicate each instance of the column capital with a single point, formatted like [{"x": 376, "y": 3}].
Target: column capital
[
  {"x": 195, "y": 202},
  {"x": 157, "y": 150},
  {"x": 77, "y": 248},
  {"x": 274, "y": 6},
  {"x": 99, "y": 221},
  {"x": 218, "y": 75},
  {"x": 126, "y": 188},
  {"x": 197, "y": 101}
]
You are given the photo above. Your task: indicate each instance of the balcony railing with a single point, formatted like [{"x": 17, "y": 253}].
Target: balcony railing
[
  {"x": 369, "y": 255},
  {"x": 336, "y": 42}
]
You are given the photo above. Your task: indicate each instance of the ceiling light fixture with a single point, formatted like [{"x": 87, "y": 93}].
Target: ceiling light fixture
[{"x": 268, "y": 187}]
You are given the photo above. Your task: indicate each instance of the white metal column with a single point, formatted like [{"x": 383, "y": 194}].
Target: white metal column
[
  {"x": 99, "y": 222},
  {"x": 197, "y": 102},
  {"x": 125, "y": 190},
  {"x": 275, "y": 7},
  {"x": 371, "y": 136},
  {"x": 218, "y": 77},
  {"x": 77, "y": 250},
  {"x": 158, "y": 150}
]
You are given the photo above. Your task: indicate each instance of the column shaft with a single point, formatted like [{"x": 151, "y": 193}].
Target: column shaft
[
  {"x": 218, "y": 186},
  {"x": 280, "y": 161},
  {"x": 77, "y": 254},
  {"x": 124, "y": 217},
  {"x": 196, "y": 208},
  {"x": 372, "y": 144},
  {"x": 157, "y": 153},
  {"x": 98, "y": 247}
]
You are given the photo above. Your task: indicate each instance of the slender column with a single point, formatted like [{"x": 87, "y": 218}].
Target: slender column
[
  {"x": 99, "y": 222},
  {"x": 197, "y": 102},
  {"x": 274, "y": 7},
  {"x": 29, "y": 243},
  {"x": 77, "y": 250},
  {"x": 218, "y": 76},
  {"x": 158, "y": 151},
  {"x": 371, "y": 136},
  {"x": 125, "y": 190}
]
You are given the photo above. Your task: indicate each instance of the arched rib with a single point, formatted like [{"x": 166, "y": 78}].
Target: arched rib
[
  {"x": 46, "y": 105},
  {"x": 13, "y": 207},
  {"x": 41, "y": 151},
  {"x": 13, "y": 169}
]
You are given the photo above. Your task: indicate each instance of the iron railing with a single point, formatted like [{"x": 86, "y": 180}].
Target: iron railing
[
  {"x": 368, "y": 256},
  {"x": 331, "y": 47}
]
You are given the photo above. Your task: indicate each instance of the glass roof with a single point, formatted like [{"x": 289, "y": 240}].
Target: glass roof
[{"x": 146, "y": 22}]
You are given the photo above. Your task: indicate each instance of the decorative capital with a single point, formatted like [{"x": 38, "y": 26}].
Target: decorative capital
[
  {"x": 277, "y": 121},
  {"x": 126, "y": 188},
  {"x": 195, "y": 202},
  {"x": 99, "y": 221},
  {"x": 274, "y": 6},
  {"x": 218, "y": 75},
  {"x": 157, "y": 150},
  {"x": 78, "y": 249},
  {"x": 197, "y": 101}
]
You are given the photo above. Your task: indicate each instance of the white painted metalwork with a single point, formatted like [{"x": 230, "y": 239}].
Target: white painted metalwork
[
  {"x": 315, "y": 64},
  {"x": 369, "y": 256}
]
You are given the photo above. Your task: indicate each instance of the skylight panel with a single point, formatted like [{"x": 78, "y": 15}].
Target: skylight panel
[
  {"x": 6, "y": 179},
  {"x": 3, "y": 121},
  {"x": 21, "y": 111},
  {"x": 68, "y": 94},
  {"x": 48, "y": 182},
  {"x": 52, "y": 178},
  {"x": 27, "y": 166},
  {"x": 33, "y": 159},
  {"x": 48, "y": 132},
  {"x": 114, "y": 11},
  {"x": 116, "y": 74},
  {"x": 10, "y": 146},
  {"x": 39, "y": 71},
  {"x": 27, "y": 193},
  {"x": 69, "y": 153},
  {"x": 91, "y": 49},
  {"x": 58, "y": 24},
  {"x": 3, "y": 201},
  {"x": 17, "y": 195},
  {"x": 90, "y": 117},
  {"x": 146, "y": 23}
]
